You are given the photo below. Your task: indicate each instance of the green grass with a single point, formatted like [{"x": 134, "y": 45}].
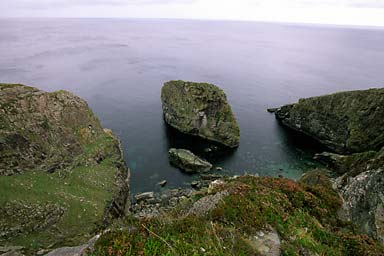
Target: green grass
[{"x": 82, "y": 192}]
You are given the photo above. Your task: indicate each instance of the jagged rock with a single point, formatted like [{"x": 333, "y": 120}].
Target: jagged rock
[
  {"x": 364, "y": 202},
  {"x": 161, "y": 202},
  {"x": 144, "y": 196},
  {"x": 200, "y": 109},
  {"x": 187, "y": 161},
  {"x": 81, "y": 250},
  {"x": 362, "y": 189},
  {"x": 346, "y": 122}
]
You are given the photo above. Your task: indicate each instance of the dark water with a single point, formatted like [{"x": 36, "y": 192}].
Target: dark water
[{"x": 119, "y": 66}]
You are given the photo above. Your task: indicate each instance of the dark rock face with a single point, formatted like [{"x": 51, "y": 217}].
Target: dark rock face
[
  {"x": 187, "y": 161},
  {"x": 55, "y": 159},
  {"x": 200, "y": 109},
  {"x": 345, "y": 122}
]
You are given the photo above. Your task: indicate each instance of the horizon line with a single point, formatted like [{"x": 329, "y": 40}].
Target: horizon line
[{"x": 206, "y": 19}]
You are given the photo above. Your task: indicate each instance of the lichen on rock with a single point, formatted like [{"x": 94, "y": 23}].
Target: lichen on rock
[
  {"x": 362, "y": 190},
  {"x": 200, "y": 109}
]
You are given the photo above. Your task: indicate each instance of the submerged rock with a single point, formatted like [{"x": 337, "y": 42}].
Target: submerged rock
[
  {"x": 200, "y": 109},
  {"x": 346, "y": 122},
  {"x": 187, "y": 161},
  {"x": 162, "y": 183}
]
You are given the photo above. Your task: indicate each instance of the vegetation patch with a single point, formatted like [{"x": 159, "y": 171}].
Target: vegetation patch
[
  {"x": 60, "y": 208},
  {"x": 304, "y": 215}
]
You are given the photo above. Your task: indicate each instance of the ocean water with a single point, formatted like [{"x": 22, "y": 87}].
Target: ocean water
[{"x": 119, "y": 66}]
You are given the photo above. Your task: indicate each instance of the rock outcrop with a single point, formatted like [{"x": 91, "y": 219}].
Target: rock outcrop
[
  {"x": 200, "y": 109},
  {"x": 42, "y": 130},
  {"x": 61, "y": 174},
  {"x": 187, "y": 161},
  {"x": 345, "y": 122},
  {"x": 362, "y": 189}
]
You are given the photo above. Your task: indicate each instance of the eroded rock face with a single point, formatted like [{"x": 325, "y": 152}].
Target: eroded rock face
[
  {"x": 362, "y": 189},
  {"x": 40, "y": 129},
  {"x": 364, "y": 202},
  {"x": 187, "y": 161},
  {"x": 200, "y": 109},
  {"x": 345, "y": 122},
  {"x": 55, "y": 159}
]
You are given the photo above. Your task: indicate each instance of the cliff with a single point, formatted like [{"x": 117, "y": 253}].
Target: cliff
[
  {"x": 345, "y": 122},
  {"x": 61, "y": 174}
]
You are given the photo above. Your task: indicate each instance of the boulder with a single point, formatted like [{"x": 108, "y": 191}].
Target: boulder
[
  {"x": 345, "y": 122},
  {"x": 187, "y": 161},
  {"x": 144, "y": 196},
  {"x": 266, "y": 242},
  {"x": 200, "y": 109}
]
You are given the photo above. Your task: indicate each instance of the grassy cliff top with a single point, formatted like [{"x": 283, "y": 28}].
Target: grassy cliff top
[{"x": 303, "y": 215}]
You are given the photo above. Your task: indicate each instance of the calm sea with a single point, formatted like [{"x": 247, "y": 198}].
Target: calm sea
[{"x": 119, "y": 66}]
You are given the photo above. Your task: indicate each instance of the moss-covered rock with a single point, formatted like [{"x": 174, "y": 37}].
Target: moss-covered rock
[
  {"x": 61, "y": 174},
  {"x": 200, "y": 109},
  {"x": 187, "y": 161},
  {"x": 346, "y": 122}
]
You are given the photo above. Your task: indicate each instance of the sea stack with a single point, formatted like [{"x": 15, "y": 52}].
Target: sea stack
[{"x": 200, "y": 109}]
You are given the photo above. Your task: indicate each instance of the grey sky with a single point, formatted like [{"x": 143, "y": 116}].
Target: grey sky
[{"x": 353, "y": 12}]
